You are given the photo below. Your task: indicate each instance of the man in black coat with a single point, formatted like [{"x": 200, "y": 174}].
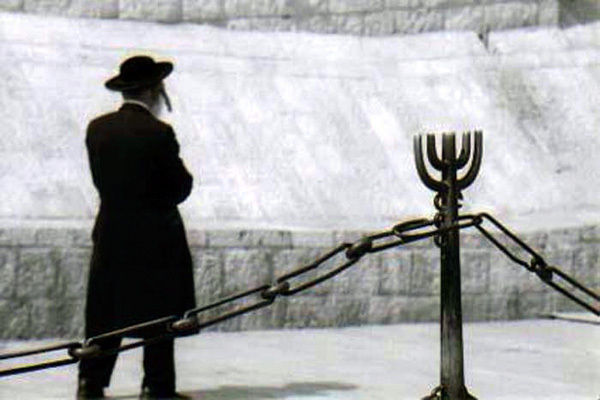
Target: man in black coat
[{"x": 141, "y": 266}]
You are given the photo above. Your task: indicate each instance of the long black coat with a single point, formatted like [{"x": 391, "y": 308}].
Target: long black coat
[{"x": 141, "y": 266}]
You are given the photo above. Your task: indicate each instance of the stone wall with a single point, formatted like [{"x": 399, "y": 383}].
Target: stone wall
[
  {"x": 43, "y": 276},
  {"x": 357, "y": 17}
]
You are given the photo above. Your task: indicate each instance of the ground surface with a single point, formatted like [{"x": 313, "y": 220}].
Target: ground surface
[{"x": 535, "y": 359}]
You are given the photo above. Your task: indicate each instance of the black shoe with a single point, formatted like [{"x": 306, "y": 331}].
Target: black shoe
[
  {"x": 87, "y": 389},
  {"x": 151, "y": 394}
]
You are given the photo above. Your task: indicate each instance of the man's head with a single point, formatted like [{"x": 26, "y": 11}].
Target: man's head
[{"x": 141, "y": 78}]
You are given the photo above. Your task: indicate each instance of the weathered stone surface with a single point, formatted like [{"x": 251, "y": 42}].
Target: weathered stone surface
[
  {"x": 46, "y": 6},
  {"x": 197, "y": 238},
  {"x": 286, "y": 261},
  {"x": 377, "y": 24},
  {"x": 208, "y": 275},
  {"x": 447, "y": 3},
  {"x": 306, "y": 312},
  {"x": 352, "y": 24},
  {"x": 393, "y": 4},
  {"x": 70, "y": 319},
  {"x": 312, "y": 239},
  {"x": 14, "y": 319},
  {"x": 246, "y": 269},
  {"x": 249, "y": 238},
  {"x": 11, "y": 5},
  {"x": 54, "y": 236},
  {"x": 311, "y": 7},
  {"x": 423, "y": 309},
  {"x": 361, "y": 279},
  {"x": 475, "y": 307},
  {"x": 93, "y": 9},
  {"x": 73, "y": 270},
  {"x": 421, "y": 20},
  {"x": 586, "y": 265},
  {"x": 464, "y": 18},
  {"x": 203, "y": 10},
  {"x": 425, "y": 273},
  {"x": 475, "y": 272},
  {"x": 549, "y": 12},
  {"x": 510, "y": 15},
  {"x": 349, "y": 6},
  {"x": 151, "y": 10},
  {"x": 37, "y": 273},
  {"x": 519, "y": 305},
  {"x": 8, "y": 268},
  {"x": 17, "y": 236},
  {"x": 253, "y": 8},
  {"x": 395, "y": 273},
  {"x": 275, "y": 24},
  {"x": 347, "y": 310},
  {"x": 389, "y": 309}
]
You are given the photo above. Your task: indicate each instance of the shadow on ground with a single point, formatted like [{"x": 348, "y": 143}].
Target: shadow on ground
[{"x": 234, "y": 392}]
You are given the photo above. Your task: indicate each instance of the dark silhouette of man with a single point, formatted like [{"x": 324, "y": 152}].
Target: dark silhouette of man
[{"x": 141, "y": 267}]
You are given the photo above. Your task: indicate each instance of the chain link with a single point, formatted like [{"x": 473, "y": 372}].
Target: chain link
[{"x": 263, "y": 296}]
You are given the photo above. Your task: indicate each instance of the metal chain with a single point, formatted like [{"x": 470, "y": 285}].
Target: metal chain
[
  {"x": 538, "y": 265},
  {"x": 401, "y": 234}
]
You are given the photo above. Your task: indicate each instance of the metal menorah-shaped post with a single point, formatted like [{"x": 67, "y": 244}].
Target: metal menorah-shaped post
[{"x": 448, "y": 188}]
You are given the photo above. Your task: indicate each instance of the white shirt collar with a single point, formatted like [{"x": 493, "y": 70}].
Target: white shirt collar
[{"x": 139, "y": 103}]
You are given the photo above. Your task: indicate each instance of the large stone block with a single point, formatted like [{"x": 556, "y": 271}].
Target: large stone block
[
  {"x": 312, "y": 239},
  {"x": 37, "y": 273},
  {"x": 14, "y": 319},
  {"x": 379, "y": 23},
  {"x": 464, "y": 18},
  {"x": 395, "y": 272},
  {"x": 586, "y": 265},
  {"x": 425, "y": 273},
  {"x": 347, "y": 310},
  {"x": 12, "y": 5},
  {"x": 151, "y": 10},
  {"x": 510, "y": 15},
  {"x": 475, "y": 271},
  {"x": 389, "y": 309},
  {"x": 208, "y": 276},
  {"x": 287, "y": 261},
  {"x": 246, "y": 269},
  {"x": 423, "y": 309},
  {"x": 46, "y": 6},
  {"x": 421, "y": 20},
  {"x": 73, "y": 270},
  {"x": 249, "y": 238},
  {"x": 476, "y": 307},
  {"x": 349, "y": 6},
  {"x": 254, "y": 8},
  {"x": 306, "y": 312},
  {"x": 17, "y": 236},
  {"x": 549, "y": 12},
  {"x": 520, "y": 305},
  {"x": 203, "y": 10},
  {"x": 360, "y": 279},
  {"x": 396, "y": 4},
  {"x": 311, "y": 7},
  {"x": 8, "y": 272},
  {"x": 352, "y": 24},
  {"x": 70, "y": 319},
  {"x": 94, "y": 9}
]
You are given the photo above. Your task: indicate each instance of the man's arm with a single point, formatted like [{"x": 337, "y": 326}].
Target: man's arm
[{"x": 176, "y": 181}]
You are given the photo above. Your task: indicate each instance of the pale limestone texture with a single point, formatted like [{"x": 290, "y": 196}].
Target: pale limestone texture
[
  {"x": 151, "y": 10},
  {"x": 356, "y": 17},
  {"x": 43, "y": 281}
]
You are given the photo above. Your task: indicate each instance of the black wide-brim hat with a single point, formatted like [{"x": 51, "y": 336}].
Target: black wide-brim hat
[{"x": 139, "y": 72}]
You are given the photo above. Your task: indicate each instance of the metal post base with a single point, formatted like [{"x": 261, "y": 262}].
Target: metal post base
[{"x": 439, "y": 393}]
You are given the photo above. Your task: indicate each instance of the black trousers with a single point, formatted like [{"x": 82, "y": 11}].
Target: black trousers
[{"x": 159, "y": 366}]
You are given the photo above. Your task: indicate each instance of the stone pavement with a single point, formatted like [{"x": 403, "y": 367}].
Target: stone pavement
[{"x": 533, "y": 359}]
